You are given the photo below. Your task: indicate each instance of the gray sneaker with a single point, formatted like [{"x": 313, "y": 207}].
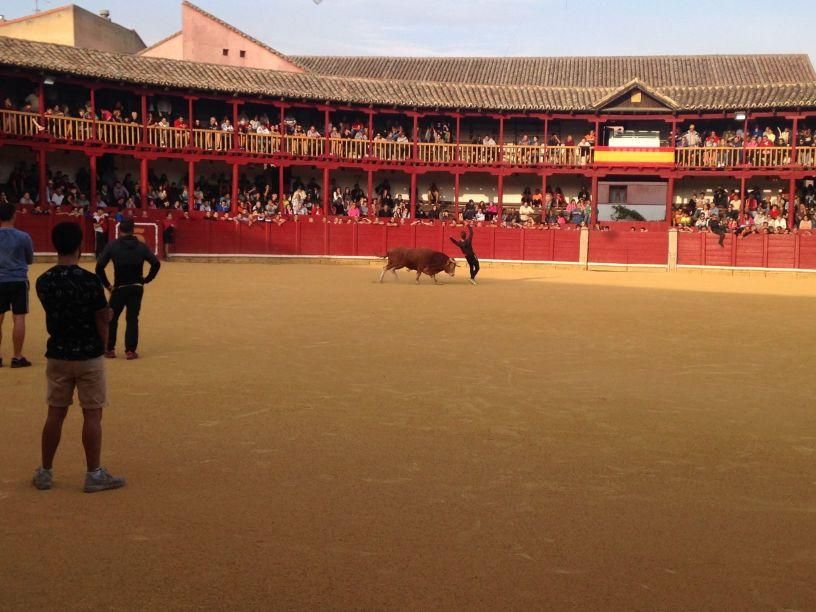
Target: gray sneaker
[
  {"x": 43, "y": 479},
  {"x": 101, "y": 480}
]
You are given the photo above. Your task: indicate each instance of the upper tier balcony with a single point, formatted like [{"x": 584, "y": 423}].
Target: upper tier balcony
[{"x": 117, "y": 135}]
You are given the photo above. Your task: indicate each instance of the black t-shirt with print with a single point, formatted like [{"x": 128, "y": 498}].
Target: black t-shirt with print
[{"x": 71, "y": 298}]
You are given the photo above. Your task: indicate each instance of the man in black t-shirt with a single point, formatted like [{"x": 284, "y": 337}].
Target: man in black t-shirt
[
  {"x": 466, "y": 245},
  {"x": 76, "y": 316},
  {"x": 129, "y": 256}
]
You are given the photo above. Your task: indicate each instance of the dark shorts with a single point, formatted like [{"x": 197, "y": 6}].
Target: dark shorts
[
  {"x": 14, "y": 297},
  {"x": 169, "y": 235}
]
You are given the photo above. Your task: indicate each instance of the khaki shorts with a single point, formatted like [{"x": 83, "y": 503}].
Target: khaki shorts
[{"x": 88, "y": 377}]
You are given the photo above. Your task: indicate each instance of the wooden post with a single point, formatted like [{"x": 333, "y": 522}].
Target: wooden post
[
  {"x": 282, "y": 128},
  {"x": 500, "y": 198},
  {"x": 326, "y": 191},
  {"x": 413, "y": 197},
  {"x": 793, "y": 157},
  {"x": 191, "y": 186},
  {"x": 326, "y": 131},
  {"x": 457, "y": 154},
  {"x": 501, "y": 148},
  {"x": 670, "y": 201},
  {"x": 191, "y": 121},
  {"x": 92, "y": 187},
  {"x": 791, "y": 198},
  {"x": 144, "y": 119},
  {"x": 42, "y": 175},
  {"x": 143, "y": 187},
  {"x": 370, "y": 188},
  {"x": 94, "y": 136},
  {"x": 280, "y": 188},
  {"x": 594, "y": 203},
  {"x": 41, "y": 100},
  {"x": 236, "y": 137},
  {"x": 370, "y": 145},
  {"x": 743, "y": 196},
  {"x": 415, "y": 147},
  {"x": 234, "y": 190},
  {"x": 456, "y": 196}
]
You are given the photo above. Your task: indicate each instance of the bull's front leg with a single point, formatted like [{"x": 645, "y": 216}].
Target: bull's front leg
[
  {"x": 383, "y": 271},
  {"x": 419, "y": 273},
  {"x": 394, "y": 272},
  {"x": 433, "y": 276}
]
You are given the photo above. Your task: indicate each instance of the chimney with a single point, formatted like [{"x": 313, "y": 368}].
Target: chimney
[{"x": 105, "y": 14}]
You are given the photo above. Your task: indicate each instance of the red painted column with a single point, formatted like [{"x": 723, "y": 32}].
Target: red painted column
[
  {"x": 458, "y": 153},
  {"x": 370, "y": 190},
  {"x": 413, "y": 197},
  {"x": 597, "y": 132},
  {"x": 280, "y": 188},
  {"x": 191, "y": 186},
  {"x": 743, "y": 195},
  {"x": 42, "y": 176},
  {"x": 144, "y": 119},
  {"x": 92, "y": 188},
  {"x": 791, "y": 197},
  {"x": 326, "y": 131},
  {"x": 143, "y": 186},
  {"x": 501, "y": 146},
  {"x": 191, "y": 121},
  {"x": 543, "y": 192},
  {"x": 282, "y": 128},
  {"x": 93, "y": 116},
  {"x": 673, "y": 136},
  {"x": 670, "y": 201},
  {"x": 236, "y": 137},
  {"x": 546, "y": 132},
  {"x": 234, "y": 190},
  {"x": 500, "y": 198},
  {"x": 326, "y": 191},
  {"x": 594, "y": 204},
  {"x": 41, "y": 100},
  {"x": 456, "y": 196},
  {"x": 370, "y": 146},
  {"x": 415, "y": 147},
  {"x": 793, "y": 140}
]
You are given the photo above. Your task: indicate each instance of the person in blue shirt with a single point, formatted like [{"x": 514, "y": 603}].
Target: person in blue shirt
[{"x": 16, "y": 254}]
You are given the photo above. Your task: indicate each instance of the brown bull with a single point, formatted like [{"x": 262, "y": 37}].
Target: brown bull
[{"x": 424, "y": 261}]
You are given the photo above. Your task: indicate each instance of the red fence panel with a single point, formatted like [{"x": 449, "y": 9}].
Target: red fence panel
[
  {"x": 688, "y": 249},
  {"x": 508, "y": 243},
  {"x": 398, "y": 236},
  {"x": 252, "y": 240},
  {"x": 807, "y": 251},
  {"x": 341, "y": 239},
  {"x": 750, "y": 251},
  {"x": 224, "y": 237},
  {"x": 313, "y": 238},
  {"x": 537, "y": 245},
  {"x": 781, "y": 251},
  {"x": 567, "y": 245},
  {"x": 283, "y": 238},
  {"x": 626, "y": 247},
  {"x": 428, "y": 236},
  {"x": 370, "y": 240}
]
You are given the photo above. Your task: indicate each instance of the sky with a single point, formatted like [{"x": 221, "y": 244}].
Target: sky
[{"x": 485, "y": 27}]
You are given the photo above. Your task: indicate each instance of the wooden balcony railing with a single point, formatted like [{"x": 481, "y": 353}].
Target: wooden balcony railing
[
  {"x": 261, "y": 144},
  {"x": 806, "y": 156},
  {"x": 727, "y": 157},
  {"x": 73, "y": 129},
  {"x": 348, "y": 148},
  {"x": 304, "y": 146},
  {"x": 390, "y": 150},
  {"x": 479, "y": 154},
  {"x": 436, "y": 153},
  {"x": 120, "y": 134},
  {"x": 69, "y": 128},
  {"x": 18, "y": 123}
]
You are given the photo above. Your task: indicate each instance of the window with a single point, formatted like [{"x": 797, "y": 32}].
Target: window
[
  {"x": 637, "y": 97},
  {"x": 243, "y": 53},
  {"x": 224, "y": 51},
  {"x": 617, "y": 194}
]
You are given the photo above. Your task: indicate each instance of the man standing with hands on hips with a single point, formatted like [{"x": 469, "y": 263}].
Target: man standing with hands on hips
[
  {"x": 16, "y": 254},
  {"x": 128, "y": 254}
]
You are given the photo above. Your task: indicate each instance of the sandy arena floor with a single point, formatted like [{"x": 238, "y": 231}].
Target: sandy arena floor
[{"x": 301, "y": 437}]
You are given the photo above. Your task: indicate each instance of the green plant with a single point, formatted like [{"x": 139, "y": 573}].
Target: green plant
[{"x": 621, "y": 213}]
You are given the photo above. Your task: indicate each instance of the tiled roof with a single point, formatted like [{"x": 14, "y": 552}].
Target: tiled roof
[
  {"x": 186, "y": 76},
  {"x": 657, "y": 71}
]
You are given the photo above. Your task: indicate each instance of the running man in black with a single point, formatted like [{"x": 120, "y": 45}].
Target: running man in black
[
  {"x": 466, "y": 246},
  {"x": 128, "y": 255}
]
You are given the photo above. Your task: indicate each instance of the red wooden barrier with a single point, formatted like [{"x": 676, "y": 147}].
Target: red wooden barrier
[{"x": 627, "y": 247}]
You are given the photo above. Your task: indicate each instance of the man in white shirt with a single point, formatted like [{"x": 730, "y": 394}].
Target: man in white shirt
[
  {"x": 525, "y": 212},
  {"x": 57, "y": 197}
]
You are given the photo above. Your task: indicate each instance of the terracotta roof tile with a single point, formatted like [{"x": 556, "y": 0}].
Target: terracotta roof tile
[{"x": 798, "y": 91}]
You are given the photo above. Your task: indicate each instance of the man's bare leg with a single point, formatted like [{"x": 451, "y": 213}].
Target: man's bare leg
[
  {"x": 18, "y": 335},
  {"x": 51, "y": 434},
  {"x": 92, "y": 437}
]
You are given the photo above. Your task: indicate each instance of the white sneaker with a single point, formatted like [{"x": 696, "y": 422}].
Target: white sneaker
[
  {"x": 472, "y": 281},
  {"x": 101, "y": 480}
]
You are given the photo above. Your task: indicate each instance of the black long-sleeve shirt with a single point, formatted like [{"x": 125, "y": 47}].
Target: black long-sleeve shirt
[
  {"x": 128, "y": 256},
  {"x": 465, "y": 245}
]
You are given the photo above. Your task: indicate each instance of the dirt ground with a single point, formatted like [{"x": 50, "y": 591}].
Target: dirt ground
[{"x": 301, "y": 437}]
